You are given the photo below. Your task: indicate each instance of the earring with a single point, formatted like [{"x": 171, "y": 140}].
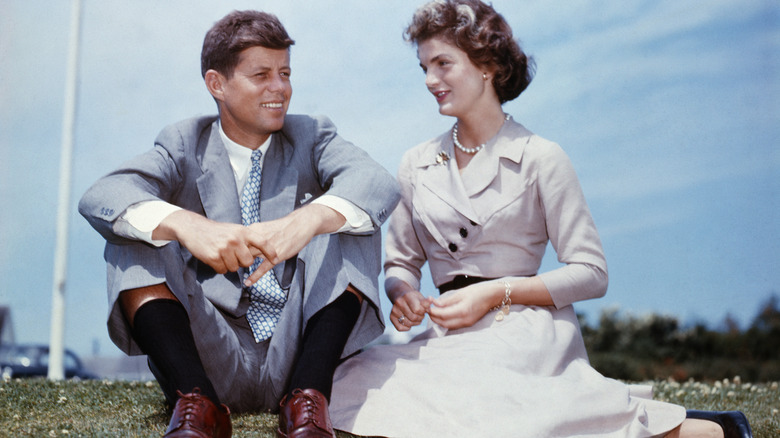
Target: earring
[{"x": 484, "y": 76}]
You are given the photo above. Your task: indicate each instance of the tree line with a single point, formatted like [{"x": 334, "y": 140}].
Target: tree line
[{"x": 638, "y": 348}]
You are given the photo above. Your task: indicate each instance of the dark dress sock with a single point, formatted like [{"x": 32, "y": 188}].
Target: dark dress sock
[
  {"x": 323, "y": 342},
  {"x": 161, "y": 328}
]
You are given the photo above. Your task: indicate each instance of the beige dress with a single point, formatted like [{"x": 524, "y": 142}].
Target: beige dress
[{"x": 527, "y": 375}]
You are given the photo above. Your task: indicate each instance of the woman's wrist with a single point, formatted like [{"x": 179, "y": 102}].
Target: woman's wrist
[
  {"x": 506, "y": 301},
  {"x": 396, "y": 288},
  {"x": 495, "y": 295}
]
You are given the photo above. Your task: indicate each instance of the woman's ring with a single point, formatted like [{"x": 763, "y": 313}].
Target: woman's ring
[{"x": 401, "y": 319}]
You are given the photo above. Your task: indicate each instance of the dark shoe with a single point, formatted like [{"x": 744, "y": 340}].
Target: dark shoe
[
  {"x": 305, "y": 414},
  {"x": 734, "y": 423},
  {"x": 196, "y": 416}
]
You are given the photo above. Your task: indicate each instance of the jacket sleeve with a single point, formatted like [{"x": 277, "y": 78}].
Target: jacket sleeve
[
  {"x": 153, "y": 175},
  {"x": 343, "y": 169}
]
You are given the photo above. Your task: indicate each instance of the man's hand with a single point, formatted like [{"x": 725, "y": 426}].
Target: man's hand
[
  {"x": 225, "y": 247},
  {"x": 278, "y": 240},
  {"x": 228, "y": 247}
]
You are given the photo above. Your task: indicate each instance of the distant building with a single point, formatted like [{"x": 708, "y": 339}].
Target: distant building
[{"x": 6, "y": 328}]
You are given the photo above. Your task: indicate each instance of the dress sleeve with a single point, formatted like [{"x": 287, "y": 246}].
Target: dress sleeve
[
  {"x": 404, "y": 252},
  {"x": 572, "y": 233}
]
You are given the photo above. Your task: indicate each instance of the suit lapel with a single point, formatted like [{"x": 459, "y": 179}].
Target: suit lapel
[
  {"x": 280, "y": 181},
  {"x": 278, "y": 191},
  {"x": 217, "y": 185},
  {"x": 218, "y": 196}
]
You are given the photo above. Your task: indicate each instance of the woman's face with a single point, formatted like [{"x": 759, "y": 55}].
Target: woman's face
[{"x": 457, "y": 84}]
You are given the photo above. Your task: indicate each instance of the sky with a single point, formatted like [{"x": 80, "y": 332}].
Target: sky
[{"x": 669, "y": 110}]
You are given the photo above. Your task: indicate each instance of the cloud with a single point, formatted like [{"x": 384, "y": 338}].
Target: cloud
[{"x": 654, "y": 97}]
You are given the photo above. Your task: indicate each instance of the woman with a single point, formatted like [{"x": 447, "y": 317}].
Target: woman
[{"x": 504, "y": 355}]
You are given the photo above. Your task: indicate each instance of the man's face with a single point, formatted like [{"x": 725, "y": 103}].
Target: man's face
[{"x": 255, "y": 99}]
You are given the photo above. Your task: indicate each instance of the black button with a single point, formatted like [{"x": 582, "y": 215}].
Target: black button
[
  {"x": 473, "y": 224},
  {"x": 464, "y": 232},
  {"x": 453, "y": 247}
]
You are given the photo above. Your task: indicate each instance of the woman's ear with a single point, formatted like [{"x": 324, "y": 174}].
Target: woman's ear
[
  {"x": 488, "y": 72},
  {"x": 214, "y": 82}
]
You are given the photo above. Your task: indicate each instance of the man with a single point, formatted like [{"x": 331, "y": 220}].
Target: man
[{"x": 243, "y": 250}]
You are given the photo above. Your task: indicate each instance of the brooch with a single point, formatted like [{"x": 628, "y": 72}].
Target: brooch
[{"x": 442, "y": 157}]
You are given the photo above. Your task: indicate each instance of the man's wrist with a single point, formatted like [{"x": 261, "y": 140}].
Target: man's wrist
[
  {"x": 169, "y": 227},
  {"x": 356, "y": 220},
  {"x": 322, "y": 219}
]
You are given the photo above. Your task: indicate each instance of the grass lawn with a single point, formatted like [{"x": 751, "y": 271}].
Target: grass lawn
[{"x": 40, "y": 408}]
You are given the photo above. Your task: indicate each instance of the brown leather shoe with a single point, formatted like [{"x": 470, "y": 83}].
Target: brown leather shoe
[
  {"x": 305, "y": 415},
  {"x": 196, "y": 416}
]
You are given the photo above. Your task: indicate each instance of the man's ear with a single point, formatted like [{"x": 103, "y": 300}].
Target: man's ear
[{"x": 214, "y": 81}]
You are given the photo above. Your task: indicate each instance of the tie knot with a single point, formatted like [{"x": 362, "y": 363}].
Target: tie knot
[{"x": 256, "y": 155}]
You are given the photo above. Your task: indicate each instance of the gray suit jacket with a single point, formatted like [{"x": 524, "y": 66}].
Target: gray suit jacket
[{"x": 189, "y": 167}]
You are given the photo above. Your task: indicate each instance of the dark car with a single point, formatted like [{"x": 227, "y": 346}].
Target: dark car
[{"x": 33, "y": 361}]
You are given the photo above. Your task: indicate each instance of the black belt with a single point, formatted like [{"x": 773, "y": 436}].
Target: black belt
[{"x": 461, "y": 281}]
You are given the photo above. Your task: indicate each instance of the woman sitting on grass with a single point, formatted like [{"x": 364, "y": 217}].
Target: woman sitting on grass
[{"x": 504, "y": 355}]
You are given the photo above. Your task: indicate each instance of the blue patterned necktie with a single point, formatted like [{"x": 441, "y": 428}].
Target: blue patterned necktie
[{"x": 266, "y": 297}]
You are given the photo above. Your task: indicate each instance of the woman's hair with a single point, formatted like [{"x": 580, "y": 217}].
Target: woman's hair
[
  {"x": 237, "y": 31},
  {"x": 481, "y": 32}
]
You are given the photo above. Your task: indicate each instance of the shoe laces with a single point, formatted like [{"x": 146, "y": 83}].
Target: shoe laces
[
  {"x": 308, "y": 406},
  {"x": 309, "y": 403},
  {"x": 191, "y": 403}
]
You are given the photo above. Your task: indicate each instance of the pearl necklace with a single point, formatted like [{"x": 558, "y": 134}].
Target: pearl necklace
[{"x": 473, "y": 150}]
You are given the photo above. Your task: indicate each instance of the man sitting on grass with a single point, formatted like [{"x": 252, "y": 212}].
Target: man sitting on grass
[{"x": 243, "y": 250}]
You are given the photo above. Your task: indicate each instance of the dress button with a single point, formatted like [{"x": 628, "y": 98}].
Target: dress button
[
  {"x": 464, "y": 232},
  {"x": 453, "y": 247}
]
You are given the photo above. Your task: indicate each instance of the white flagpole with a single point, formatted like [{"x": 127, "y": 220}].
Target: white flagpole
[{"x": 57, "y": 337}]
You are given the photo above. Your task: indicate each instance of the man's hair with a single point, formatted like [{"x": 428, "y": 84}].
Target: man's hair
[
  {"x": 481, "y": 32},
  {"x": 237, "y": 31}
]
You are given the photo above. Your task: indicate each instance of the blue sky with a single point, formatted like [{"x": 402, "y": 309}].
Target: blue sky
[{"x": 670, "y": 111}]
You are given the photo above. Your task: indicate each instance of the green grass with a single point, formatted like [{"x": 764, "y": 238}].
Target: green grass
[
  {"x": 39, "y": 408},
  {"x": 759, "y": 401}
]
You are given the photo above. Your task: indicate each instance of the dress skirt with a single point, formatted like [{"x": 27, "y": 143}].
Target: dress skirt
[{"x": 525, "y": 376}]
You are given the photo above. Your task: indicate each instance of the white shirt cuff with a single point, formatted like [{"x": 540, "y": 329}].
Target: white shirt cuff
[
  {"x": 358, "y": 221},
  {"x": 139, "y": 221}
]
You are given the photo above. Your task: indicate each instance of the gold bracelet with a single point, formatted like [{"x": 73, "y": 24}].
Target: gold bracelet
[{"x": 503, "y": 308}]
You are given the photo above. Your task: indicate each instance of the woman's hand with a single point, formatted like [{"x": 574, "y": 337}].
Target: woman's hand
[
  {"x": 409, "y": 310},
  {"x": 464, "y": 307}
]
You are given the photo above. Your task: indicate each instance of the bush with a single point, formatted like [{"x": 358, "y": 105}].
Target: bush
[{"x": 627, "y": 347}]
